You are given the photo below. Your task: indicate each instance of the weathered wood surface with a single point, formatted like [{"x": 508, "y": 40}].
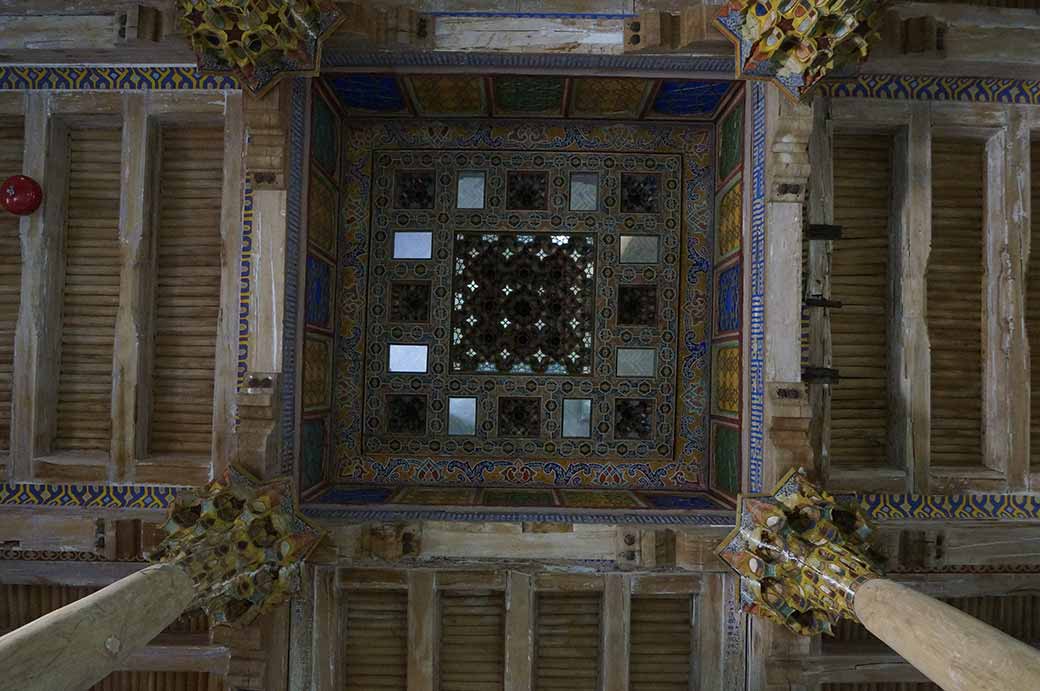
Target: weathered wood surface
[
  {"x": 956, "y": 651},
  {"x": 519, "y": 659},
  {"x": 79, "y": 644},
  {"x": 37, "y": 337},
  {"x": 376, "y": 647},
  {"x": 859, "y": 413},
  {"x": 661, "y": 654},
  {"x": 187, "y": 293},
  {"x": 818, "y": 282},
  {"x": 131, "y": 348},
  {"x": 11, "y": 150},
  {"x": 422, "y": 630},
  {"x": 471, "y": 641},
  {"x": 955, "y": 306},
  {"x": 568, "y": 645}
]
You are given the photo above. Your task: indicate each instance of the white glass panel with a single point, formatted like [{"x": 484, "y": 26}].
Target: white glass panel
[
  {"x": 413, "y": 245},
  {"x": 584, "y": 191},
  {"x": 471, "y": 191},
  {"x": 635, "y": 362},
  {"x": 577, "y": 417},
  {"x": 462, "y": 416},
  {"x": 407, "y": 358},
  {"x": 638, "y": 249}
]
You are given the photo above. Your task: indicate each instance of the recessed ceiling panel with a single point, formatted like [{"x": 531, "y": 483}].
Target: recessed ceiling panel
[
  {"x": 688, "y": 99},
  {"x": 378, "y": 94},
  {"x": 449, "y": 94},
  {"x": 527, "y": 95},
  {"x": 606, "y": 97}
]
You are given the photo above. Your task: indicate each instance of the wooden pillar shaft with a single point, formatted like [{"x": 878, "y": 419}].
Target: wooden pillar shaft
[
  {"x": 78, "y": 645},
  {"x": 953, "y": 649}
]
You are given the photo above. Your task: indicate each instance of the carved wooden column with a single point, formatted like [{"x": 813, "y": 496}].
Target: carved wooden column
[
  {"x": 806, "y": 561},
  {"x": 232, "y": 550}
]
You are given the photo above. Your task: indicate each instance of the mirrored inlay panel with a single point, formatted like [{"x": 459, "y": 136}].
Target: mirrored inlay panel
[
  {"x": 462, "y": 416},
  {"x": 408, "y": 358},
  {"x": 413, "y": 245},
  {"x": 471, "y": 190},
  {"x": 537, "y": 312}
]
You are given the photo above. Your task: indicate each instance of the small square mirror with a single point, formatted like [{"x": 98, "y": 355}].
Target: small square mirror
[
  {"x": 408, "y": 358},
  {"x": 462, "y": 416},
  {"x": 413, "y": 244}
]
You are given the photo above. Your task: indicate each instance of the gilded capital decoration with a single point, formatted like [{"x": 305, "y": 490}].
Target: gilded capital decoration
[
  {"x": 801, "y": 555},
  {"x": 241, "y": 542},
  {"x": 795, "y": 43},
  {"x": 260, "y": 41}
]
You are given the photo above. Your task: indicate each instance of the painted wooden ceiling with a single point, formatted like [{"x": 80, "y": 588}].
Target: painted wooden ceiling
[{"x": 473, "y": 95}]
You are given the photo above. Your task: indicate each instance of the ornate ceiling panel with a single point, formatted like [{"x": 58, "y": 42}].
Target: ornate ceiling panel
[{"x": 473, "y": 95}]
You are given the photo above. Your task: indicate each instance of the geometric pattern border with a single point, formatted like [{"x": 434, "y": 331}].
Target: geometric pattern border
[
  {"x": 87, "y": 496},
  {"x": 918, "y": 88},
  {"x": 756, "y": 327},
  {"x": 104, "y": 78},
  {"x": 878, "y": 507}
]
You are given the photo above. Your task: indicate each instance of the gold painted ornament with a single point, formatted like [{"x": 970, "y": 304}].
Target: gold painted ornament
[
  {"x": 260, "y": 41},
  {"x": 800, "y": 554},
  {"x": 241, "y": 542},
  {"x": 796, "y": 43}
]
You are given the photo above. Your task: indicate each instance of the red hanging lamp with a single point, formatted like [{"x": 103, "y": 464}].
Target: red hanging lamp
[{"x": 20, "y": 195}]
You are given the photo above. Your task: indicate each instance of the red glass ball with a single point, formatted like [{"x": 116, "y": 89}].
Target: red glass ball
[{"x": 20, "y": 195}]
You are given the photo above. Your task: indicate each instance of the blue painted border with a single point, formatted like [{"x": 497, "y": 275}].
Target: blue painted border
[
  {"x": 756, "y": 327},
  {"x": 245, "y": 286},
  {"x": 293, "y": 220},
  {"x": 73, "y": 77}
]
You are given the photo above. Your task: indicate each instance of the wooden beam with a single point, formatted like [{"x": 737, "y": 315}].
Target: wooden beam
[
  {"x": 422, "y": 630},
  {"x": 1018, "y": 213},
  {"x": 131, "y": 351},
  {"x": 998, "y": 306},
  {"x": 514, "y": 34},
  {"x": 616, "y": 630},
  {"x": 225, "y": 373},
  {"x": 66, "y": 573},
  {"x": 179, "y": 653},
  {"x": 325, "y": 629},
  {"x": 711, "y": 628},
  {"x": 818, "y": 280},
  {"x": 519, "y": 632},
  {"x": 912, "y": 178},
  {"x": 843, "y": 669},
  {"x": 507, "y": 540},
  {"x": 38, "y": 334}
]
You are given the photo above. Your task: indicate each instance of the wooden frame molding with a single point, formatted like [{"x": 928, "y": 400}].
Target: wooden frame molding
[{"x": 48, "y": 116}]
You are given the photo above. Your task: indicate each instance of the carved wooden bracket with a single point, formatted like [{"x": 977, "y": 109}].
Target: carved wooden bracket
[
  {"x": 789, "y": 154},
  {"x": 267, "y": 137},
  {"x": 259, "y": 439},
  {"x": 386, "y": 26},
  {"x": 659, "y": 31}
]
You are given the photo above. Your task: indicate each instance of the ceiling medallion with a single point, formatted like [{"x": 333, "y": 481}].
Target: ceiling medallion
[
  {"x": 259, "y": 41},
  {"x": 795, "y": 43}
]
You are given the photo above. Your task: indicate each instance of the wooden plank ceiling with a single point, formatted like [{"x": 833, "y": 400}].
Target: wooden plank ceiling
[
  {"x": 187, "y": 294},
  {"x": 954, "y": 301},
  {"x": 859, "y": 280},
  {"x": 91, "y": 294}
]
